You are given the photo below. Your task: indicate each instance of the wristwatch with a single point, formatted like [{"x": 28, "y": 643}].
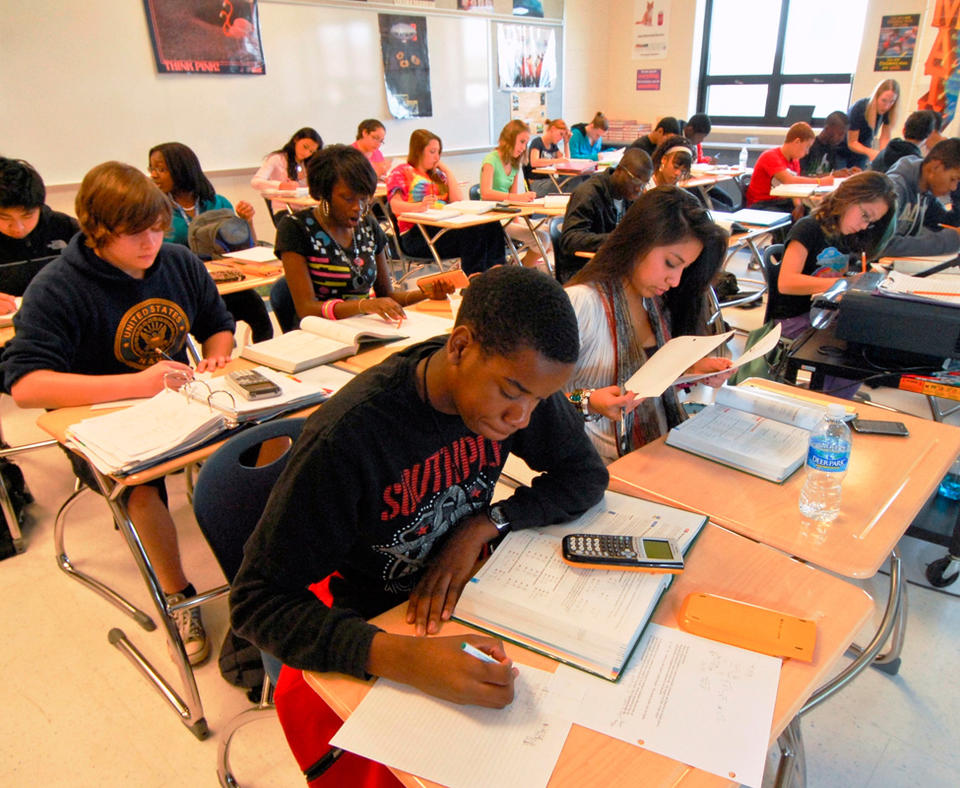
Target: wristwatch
[{"x": 498, "y": 517}]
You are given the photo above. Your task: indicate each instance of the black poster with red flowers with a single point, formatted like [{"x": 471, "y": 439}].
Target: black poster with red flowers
[
  {"x": 406, "y": 65},
  {"x": 205, "y": 36}
]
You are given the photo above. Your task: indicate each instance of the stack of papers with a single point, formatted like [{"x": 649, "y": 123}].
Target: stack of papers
[
  {"x": 255, "y": 254},
  {"x": 938, "y": 289}
]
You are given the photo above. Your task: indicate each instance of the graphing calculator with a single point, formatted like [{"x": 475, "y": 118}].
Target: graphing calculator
[
  {"x": 611, "y": 551},
  {"x": 250, "y": 384}
]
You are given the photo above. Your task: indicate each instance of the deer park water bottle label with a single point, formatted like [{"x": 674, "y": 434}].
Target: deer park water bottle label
[{"x": 826, "y": 460}]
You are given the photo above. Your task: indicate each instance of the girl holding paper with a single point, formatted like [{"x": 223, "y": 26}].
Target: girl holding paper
[{"x": 646, "y": 284}]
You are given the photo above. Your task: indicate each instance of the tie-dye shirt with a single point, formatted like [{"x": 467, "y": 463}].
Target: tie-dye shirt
[
  {"x": 335, "y": 271},
  {"x": 414, "y": 187}
]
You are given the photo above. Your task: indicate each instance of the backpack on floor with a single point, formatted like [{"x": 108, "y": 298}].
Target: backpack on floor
[{"x": 19, "y": 496}]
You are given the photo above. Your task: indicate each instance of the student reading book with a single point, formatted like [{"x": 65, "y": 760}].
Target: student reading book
[
  {"x": 371, "y": 134},
  {"x": 98, "y": 324},
  {"x": 756, "y": 431},
  {"x": 525, "y": 593},
  {"x": 390, "y": 484}
]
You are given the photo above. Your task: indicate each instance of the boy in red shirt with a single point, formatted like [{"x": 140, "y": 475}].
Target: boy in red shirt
[{"x": 782, "y": 163}]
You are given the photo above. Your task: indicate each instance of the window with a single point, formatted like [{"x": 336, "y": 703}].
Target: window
[{"x": 759, "y": 59}]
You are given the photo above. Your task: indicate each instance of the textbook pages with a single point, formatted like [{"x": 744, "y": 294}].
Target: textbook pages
[
  {"x": 320, "y": 341},
  {"x": 750, "y": 429},
  {"x": 588, "y": 618}
]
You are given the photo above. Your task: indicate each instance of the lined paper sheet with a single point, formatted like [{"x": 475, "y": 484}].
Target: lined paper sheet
[
  {"x": 460, "y": 746},
  {"x": 701, "y": 702}
]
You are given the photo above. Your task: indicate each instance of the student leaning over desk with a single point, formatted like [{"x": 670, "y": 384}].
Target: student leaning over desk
[
  {"x": 586, "y": 139},
  {"x": 917, "y": 128},
  {"x": 286, "y": 168},
  {"x": 446, "y": 413},
  {"x": 370, "y": 136},
  {"x": 333, "y": 254},
  {"x": 829, "y": 155},
  {"x": 783, "y": 165},
  {"x": 671, "y": 161},
  {"x": 96, "y": 325},
  {"x": 919, "y": 184},
  {"x": 647, "y": 284},
  {"x": 547, "y": 150},
  {"x": 870, "y": 122}
]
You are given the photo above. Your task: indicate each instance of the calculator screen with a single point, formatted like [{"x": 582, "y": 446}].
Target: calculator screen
[{"x": 658, "y": 549}]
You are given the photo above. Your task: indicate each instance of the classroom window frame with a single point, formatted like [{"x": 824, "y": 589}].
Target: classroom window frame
[{"x": 775, "y": 81}]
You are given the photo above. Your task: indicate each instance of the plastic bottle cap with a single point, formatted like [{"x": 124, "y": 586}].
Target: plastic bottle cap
[{"x": 836, "y": 411}]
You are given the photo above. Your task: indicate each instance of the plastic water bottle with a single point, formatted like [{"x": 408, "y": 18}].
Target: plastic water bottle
[
  {"x": 827, "y": 460},
  {"x": 950, "y": 486},
  {"x": 743, "y": 158}
]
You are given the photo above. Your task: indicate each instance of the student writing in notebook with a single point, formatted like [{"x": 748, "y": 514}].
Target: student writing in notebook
[
  {"x": 99, "y": 323},
  {"x": 870, "y": 122},
  {"x": 920, "y": 184},
  {"x": 671, "y": 162},
  {"x": 286, "y": 168},
  {"x": 390, "y": 485},
  {"x": 647, "y": 284},
  {"x": 596, "y": 207},
  {"x": 176, "y": 171},
  {"x": 333, "y": 254},
  {"x": 696, "y": 130},
  {"x": 370, "y": 136},
  {"x": 424, "y": 182},
  {"x": 783, "y": 165},
  {"x": 549, "y": 149},
  {"x": 501, "y": 180},
  {"x": 586, "y": 139},
  {"x": 666, "y": 127},
  {"x": 917, "y": 128},
  {"x": 829, "y": 155}
]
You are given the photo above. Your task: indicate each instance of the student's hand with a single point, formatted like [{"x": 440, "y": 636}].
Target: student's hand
[
  {"x": 611, "y": 404},
  {"x": 163, "y": 374},
  {"x": 387, "y": 308},
  {"x": 712, "y": 364},
  {"x": 523, "y": 197},
  {"x": 439, "y": 289},
  {"x": 419, "y": 207},
  {"x": 245, "y": 211},
  {"x": 211, "y": 363},
  {"x": 436, "y": 595},
  {"x": 287, "y": 185},
  {"x": 440, "y": 667},
  {"x": 7, "y": 303}
]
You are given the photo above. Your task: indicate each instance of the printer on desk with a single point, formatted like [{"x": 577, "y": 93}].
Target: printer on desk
[{"x": 902, "y": 331}]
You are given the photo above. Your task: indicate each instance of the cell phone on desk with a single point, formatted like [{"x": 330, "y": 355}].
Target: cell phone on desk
[
  {"x": 614, "y": 551},
  {"x": 250, "y": 384},
  {"x": 876, "y": 427},
  {"x": 505, "y": 207}
]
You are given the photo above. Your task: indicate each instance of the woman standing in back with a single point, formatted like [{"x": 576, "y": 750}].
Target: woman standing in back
[{"x": 870, "y": 122}]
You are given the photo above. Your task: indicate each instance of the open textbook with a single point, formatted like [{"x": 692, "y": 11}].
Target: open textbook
[
  {"x": 753, "y": 430},
  {"x": 588, "y": 618},
  {"x": 939, "y": 288},
  {"x": 320, "y": 341}
]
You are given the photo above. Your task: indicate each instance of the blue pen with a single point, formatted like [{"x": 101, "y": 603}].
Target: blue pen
[{"x": 477, "y": 653}]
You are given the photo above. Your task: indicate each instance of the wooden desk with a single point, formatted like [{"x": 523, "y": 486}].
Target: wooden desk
[
  {"x": 888, "y": 482},
  {"x": 561, "y": 177},
  {"x": 723, "y": 563},
  {"x": 706, "y": 178},
  {"x": 254, "y": 274},
  {"x": 472, "y": 220}
]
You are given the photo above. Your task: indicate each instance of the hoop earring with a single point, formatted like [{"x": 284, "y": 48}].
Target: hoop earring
[{"x": 324, "y": 208}]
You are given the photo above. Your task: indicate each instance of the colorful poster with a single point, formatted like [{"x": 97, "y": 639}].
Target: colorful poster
[
  {"x": 475, "y": 5},
  {"x": 651, "y": 28},
  {"x": 898, "y": 39},
  {"x": 531, "y": 108},
  {"x": 406, "y": 65},
  {"x": 648, "y": 79},
  {"x": 527, "y": 57},
  {"x": 214, "y": 37},
  {"x": 530, "y": 8}
]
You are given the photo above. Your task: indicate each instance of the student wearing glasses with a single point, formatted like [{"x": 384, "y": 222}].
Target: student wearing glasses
[
  {"x": 371, "y": 134},
  {"x": 856, "y": 218},
  {"x": 333, "y": 254},
  {"x": 596, "y": 207}
]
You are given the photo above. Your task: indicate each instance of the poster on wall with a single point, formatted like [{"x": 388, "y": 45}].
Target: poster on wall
[
  {"x": 475, "y": 5},
  {"x": 651, "y": 27},
  {"x": 527, "y": 57},
  {"x": 529, "y": 8},
  {"x": 648, "y": 78},
  {"x": 406, "y": 65},
  {"x": 213, "y": 37},
  {"x": 531, "y": 108},
  {"x": 898, "y": 39}
]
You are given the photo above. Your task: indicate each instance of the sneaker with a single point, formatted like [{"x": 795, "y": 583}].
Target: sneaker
[{"x": 191, "y": 630}]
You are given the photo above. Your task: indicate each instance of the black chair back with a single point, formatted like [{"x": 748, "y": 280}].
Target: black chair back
[{"x": 772, "y": 256}]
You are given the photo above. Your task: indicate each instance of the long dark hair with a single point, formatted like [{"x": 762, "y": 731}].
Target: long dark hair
[
  {"x": 661, "y": 217},
  {"x": 185, "y": 171},
  {"x": 290, "y": 149},
  {"x": 868, "y": 186}
]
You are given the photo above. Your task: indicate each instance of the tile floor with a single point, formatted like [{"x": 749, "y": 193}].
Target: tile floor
[{"x": 75, "y": 713}]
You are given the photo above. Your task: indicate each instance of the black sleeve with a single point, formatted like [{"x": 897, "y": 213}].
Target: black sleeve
[
  {"x": 292, "y": 237},
  {"x": 308, "y": 528},
  {"x": 582, "y": 220},
  {"x": 572, "y": 475},
  {"x": 808, "y": 233},
  {"x": 379, "y": 236},
  {"x": 212, "y": 315}
]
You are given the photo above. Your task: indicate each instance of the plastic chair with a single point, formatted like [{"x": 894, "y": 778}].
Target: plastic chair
[
  {"x": 475, "y": 191},
  {"x": 281, "y": 302},
  {"x": 229, "y": 497},
  {"x": 772, "y": 256},
  {"x": 743, "y": 181}
]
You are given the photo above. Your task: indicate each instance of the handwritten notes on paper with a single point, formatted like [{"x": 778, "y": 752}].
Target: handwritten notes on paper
[
  {"x": 704, "y": 703},
  {"x": 460, "y": 746}
]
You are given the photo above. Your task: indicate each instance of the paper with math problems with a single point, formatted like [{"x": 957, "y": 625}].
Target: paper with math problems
[
  {"x": 461, "y": 746},
  {"x": 701, "y": 702}
]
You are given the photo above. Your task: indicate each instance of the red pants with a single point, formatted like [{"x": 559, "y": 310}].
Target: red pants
[{"x": 309, "y": 724}]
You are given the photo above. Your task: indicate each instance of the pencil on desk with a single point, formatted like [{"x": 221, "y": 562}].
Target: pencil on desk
[
  {"x": 934, "y": 293},
  {"x": 863, "y": 262}
]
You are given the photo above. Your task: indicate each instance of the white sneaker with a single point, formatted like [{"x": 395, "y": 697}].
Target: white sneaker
[{"x": 192, "y": 633}]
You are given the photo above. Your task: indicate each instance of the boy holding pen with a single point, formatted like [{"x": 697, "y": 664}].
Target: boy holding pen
[
  {"x": 390, "y": 486},
  {"x": 95, "y": 323}
]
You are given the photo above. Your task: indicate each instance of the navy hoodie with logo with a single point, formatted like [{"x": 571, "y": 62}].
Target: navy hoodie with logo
[{"x": 83, "y": 315}]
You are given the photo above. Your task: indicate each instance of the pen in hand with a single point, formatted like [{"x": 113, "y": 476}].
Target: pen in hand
[{"x": 473, "y": 651}]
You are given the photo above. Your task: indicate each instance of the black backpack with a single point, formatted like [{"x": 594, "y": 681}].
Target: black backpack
[{"x": 214, "y": 233}]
